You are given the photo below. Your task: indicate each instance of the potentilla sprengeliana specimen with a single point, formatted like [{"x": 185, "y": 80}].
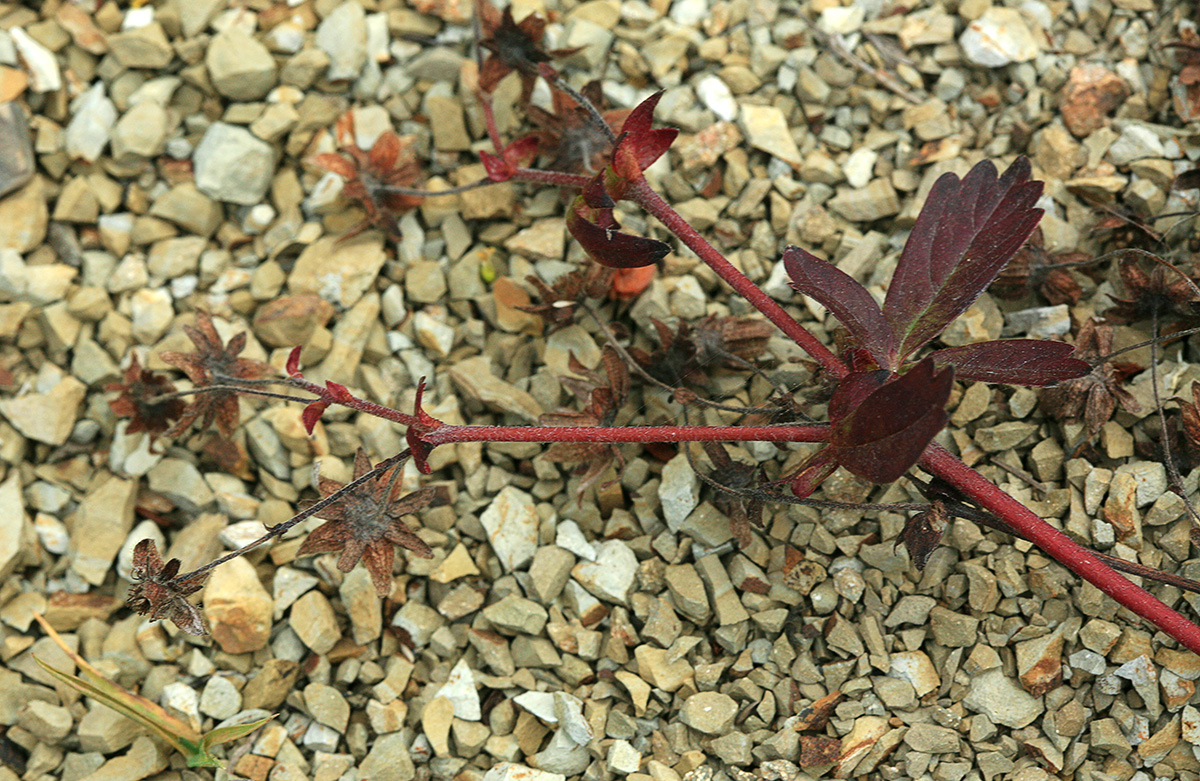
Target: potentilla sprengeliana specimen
[
  {"x": 146, "y": 398},
  {"x": 158, "y": 593},
  {"x": 367, "y": 523}
]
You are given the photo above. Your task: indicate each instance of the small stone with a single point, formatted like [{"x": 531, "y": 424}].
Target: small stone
[
  {"x": 220, "y": 699},
  {"x": 932, "y": 739},
  {"x": 1136, "y": 142},
  {"x": 291, "y": 320},
  {"x": 460, "y": 690},
  {"x": 49, "y": 723},
  {"x": 232, "y": 165},
  {"x": 24, "y": 218},
  {"x": 240, "y": 67},
  {"x": 181, "y": 482},
  {"x": 14, "y": 525},
  {"x": 474, "y": 377},
  {"x": 996, "y": 696},
  {"x": 140, "y": 133},
  {"x": 512, "y": 523},
  {"x": 327, "y": 705},
  {"x": 655, "y": 670},
  {"x": 339, "y": 271},
  {"x": 510, "y": 771},
  {"x": 568, "y": 712},
  {"x": 40, "y": 63},
  {"x": 916, "y": 668},
  {"x": 910, "y": 609},
  {"x": 623, "y": 758},
  {"x": 611, "y": 576},
  {"x": 516, "y": 615},
  {"x": 420, "y": 621},
  {"x": 313, "y": 621},
  {"x": 16, "y": 150},
  {"x": 363, "y": 608},
  {"x": 436, "y": 719},
  {"x": 1090, "y": 94},
  {"x": 271, "y": 684},
  {"x": 716, "y": 96},
  {"x": 679, "y": 491},
  {"x": 953, "y": 630},
  {"x": 342, "y": 35},
  {"x": 999, "y": 37},
  {"x": 549, "y": 572},
  {"x": 188, "y": 208},
  {"x": 46, "y": 417},
  {"x": 93, "y": 116},
  {"x": 142, "y": 47},
  {"x": 709, "y": 712},
  {"x": 239, "y": 609},
  {"x": 766, "y": 128},
  {"x": 873, "y": 202},
  {"x": 102, "y": 522},
  {"x": 144, "y": 759}
]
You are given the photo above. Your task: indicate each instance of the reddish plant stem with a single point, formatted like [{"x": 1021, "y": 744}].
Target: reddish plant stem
[
  {"x": 446, "y": 434},
  {"x": 556, "y": 178},
  {"x": 643, "y": 195},
  {"x": 353, "y": 402},
  {"x": 1058, "y": 545}
]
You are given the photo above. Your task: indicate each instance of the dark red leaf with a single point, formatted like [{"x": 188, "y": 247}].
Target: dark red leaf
[
  {"x": 498, "y": 169},
  {"x": 881, "y": 438},
  {"x": 813, "y": 472},
  {"x": 1014, "y": 361},
  {"x": 966, "y": 233},
  {"x": 338, "y": 392},
  {"x": 595, "y": 230},
  {"x": 639, "y": 137},
  {"x": 312, "y": 413},
  {"x": 841, "y": 294},
  {"x": 293, "y": 362}
]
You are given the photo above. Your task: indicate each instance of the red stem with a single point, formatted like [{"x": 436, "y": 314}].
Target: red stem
[
  {"x": 446, "y": 434},
  {"x": 642, "y": 194},
  {"x": 1062, "y": 548},
  {"x": 556, "y": 178},
  {"x": 353, "y": 402}
]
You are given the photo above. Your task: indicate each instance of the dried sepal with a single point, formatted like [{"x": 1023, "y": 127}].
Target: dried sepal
[
  {"x": 366, "y": 523},
  {"x": 158, "y": 593},
  {"x": 1093, "y": 397},
  {"x": 214, "y": 363},
  {"x": 922, "y": 533},
  {"x": 142, "y": 400},
  {"x": 513, "y": 46},
  {"x": 569, "y": 138}
]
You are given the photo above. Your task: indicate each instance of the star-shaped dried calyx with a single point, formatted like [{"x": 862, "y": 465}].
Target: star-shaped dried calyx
[
  {"x": 1093, "y": 398},
  {"x": 142, "y": 400},
  {"x": 569, "y": 136},
  {"x": 558, "y": 302},
  {"x": 366, "y": 523},
  {"x": 391, "y": 162},
  {"x": 742, "y": 511},
  {"x": 159, "y": 593},
  {"x": 1164, "y": 290},
  {"x": 214, "y": 363},
  {"x": 513, "y": 46}
]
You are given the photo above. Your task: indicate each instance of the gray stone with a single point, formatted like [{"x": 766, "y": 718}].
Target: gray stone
[
  {"x": 611, "y": 576},
  {"x": 1001, "y": 699},
  {"x": 327, "y": 705},
  {"x": 709, "y": 712},
  {"x": 239, "y": 66},
  {"x": 512, "y": 523},
  {"x": 16, "y": 149},
  {"x": 232, "y": 165},
  {"x": 220, "y": 699},
  {"x": 517, "y": 615},
  {"x": 932, "y": 739},
  {"x": 181, "y": 482},
  {"x": 92, "y": 118},
  {"x": 342, "y": 35},
  {"x": 679, "y": 491}
]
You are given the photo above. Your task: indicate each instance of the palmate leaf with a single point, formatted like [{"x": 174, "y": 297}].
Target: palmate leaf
[{"x": 966, "y": 233}]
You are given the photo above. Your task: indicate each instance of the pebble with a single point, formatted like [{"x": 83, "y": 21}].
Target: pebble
[
  {"x": 679, "y": 491},
  {"x": 716, "y": 96},
  {"x": 24, "y": 218},
  {"x": 361, "y": 600},
  {"x": 220, "y": 699},
  {"x": 475, "y": 378},
  {"x": 327, "y": 705},
  {"x": 14, "y": 525},
  {"x": 1090, "y": 94},
  {"x": 711, "y": 713},
  {"x": 766, "y": 128},
  {"x": 873, "y": 202},
  {"x": 40, "y": 63},
  {"x": 142, "y": 47},
  {"x": 312, "y": 619},
  {"x": 140, "y": 133},
  {"x": 240, "y": 67},
  {"x": 144, "y": 759},
  {"x": 611, "y": 576},
  {"x": 460, "y": 690},
  {"x": 238, "y": 608},
  {"x": 92, "y": 119},
  {"x": 340, "y": 272},
  {"x": 999, "y": 37},
  {"x": 16, "y": 149},
  {"x": 998, "y": 697},
  {"x": 511, "y": 522},
  {"x": 232, "y": 165},
  {"x": 342, "y": 35}
]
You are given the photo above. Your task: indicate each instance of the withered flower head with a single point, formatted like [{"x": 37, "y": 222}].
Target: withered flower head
[
  {"x": 391, "y": 162},
  {"x": 688, "y": 352},
  {"x": 603, "y": 400},
  {"x": 569, "y": 136},
  {"x": 158, "y": 593},
  {"x": 214, "y": 363},
  {"x": 141, "y": 400},
  {"x": 1093, "y": 398},
  {"x": 1164, "y": 290},
  {"x": 741, "y": 510},
  {"x": 1033, "y": 268},
  {"x": 558, "y": 302},
  {"x": 513, "y": 47},
  {"x": 366, "y": 523}
]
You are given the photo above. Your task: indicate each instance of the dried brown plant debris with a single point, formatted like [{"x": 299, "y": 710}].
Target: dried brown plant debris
[
  {"x": 1093, "y": 398},
  {"x": 1163, "y": 290},
  {"x": 145, "y": 397},
  {"x": 391, "y": 162},
  {"x": 602, "y": 401},
  {"x": 214, "y": 363},
  {"x": 569, "y": 137},
  {"x": 689, "y": 352},
  {"x": 367, "y": 525},
  {"x": 513, "y": 46},
  {"x": 742, "y": 511},
  {"x": 1033, "y": 268},
  {"x": 158, "y": 593},
  {"x": 558, "y": 303}
]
